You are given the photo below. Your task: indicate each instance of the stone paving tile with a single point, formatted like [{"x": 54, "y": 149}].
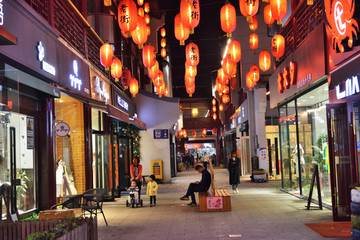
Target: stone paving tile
[{"x": 259, "y": 211}]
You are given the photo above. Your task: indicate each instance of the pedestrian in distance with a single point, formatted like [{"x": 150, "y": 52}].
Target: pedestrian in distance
[
  {"x": 202, "y": 186},
  {"x": 234, "y": 167},
  {"x": 205, "y": 160},
  {"x": 152, "y": 188},
  {"x": 136, "y": 173}
]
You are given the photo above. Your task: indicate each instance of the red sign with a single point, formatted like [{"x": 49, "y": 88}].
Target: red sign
[
  {"x": 339, "y": 14},
  {"x": 287, "y": 119},
  {"x": 287, "y": 78}
]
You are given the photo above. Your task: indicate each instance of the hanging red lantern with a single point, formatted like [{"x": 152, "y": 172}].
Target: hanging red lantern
[
  {"x": 255, "y": 72},
  {"x": 141, "y": 12},
  {"x": 233, "y": 83},
  {"x": 213, "y": 101},
  {"x": 229, "y": 67},
  {"x": 268, "y": 17},
  {"x": 220, "y": 88},
  {"x": 107, "y": 3},
  {"x": 204, "y": 132},
  {"x": 139, "y": 35},
  {"x": 223, "y": 78},
  {"x": 147, "y": 7},
  {"x": 278, "y": 9},
  {"x": 161, "y": 90},
  {"x": 249, "y": 8},
  {"x": 228, "y": 19},
  {"x": 140, "y": 2},
  {"x": 190, "y": 71},
  {"x": 253, "y": 23},
  {"x": 214, "y": 108},
  {"x": 148, "y": 31},
  {"x": 106, "y": 55},
  {"x": 149, "y": 55},
  {"x": 264, "y": 60},
  {"x": 234, "y": 51},
  {"x": 192, "y": 54},
  {"x": 166, "y": 92},
  {"x": 226, "y": 89},
  {"x": 194, "y": 133},
  {"x": 278, "y": 46},
  {"x": 159, "y": 80},
  {"x": 163, "y": 32},
  {"x": 221, "y": 107},
  {"x": 190, "y": 13},
  {"x": 163, "y": 42},
  {"x": 254, "y": 41},
  {"x": 153, "y": 71},
  {"x": 249, "y": 81},
  {"x": 127, "y": 15},
  {"x": 116, "y": 69},
  {"x": 213, "y": 131},
  {"x": 134, "y": 87},
  {"x": 181, "y": 33},
  {"x": 225, "y": 98},
  {"x": 125, "y": 77},
  {"x": 190, "y": 90},
  {"x": 214, "y": 116},
  {"x": 147, "y": 18},
  {"x": 189, "y": 81},
  {"x": 163, "y": 52}
]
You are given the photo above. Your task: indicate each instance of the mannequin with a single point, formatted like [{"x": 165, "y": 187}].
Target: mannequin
[{"x": 295, "y": 157}]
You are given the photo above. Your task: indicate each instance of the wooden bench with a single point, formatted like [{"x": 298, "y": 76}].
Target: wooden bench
[{"x": 220, "y": 194}]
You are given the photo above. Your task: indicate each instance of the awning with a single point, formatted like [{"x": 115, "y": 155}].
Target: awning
[
  {"x": 118, "y": 114},
  {"x": 7, "y": 38},
  {"x": 139, "y": 124}
]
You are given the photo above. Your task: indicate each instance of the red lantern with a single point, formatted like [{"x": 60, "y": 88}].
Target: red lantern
[
  {"x": 249, "y": 81},
  {"x": 159, "y": 80},
  {"x": 278, "y": 46},
  {"x": 189, "y": 81},
  {"x": 141, "y": 12},
  {"x": 161, "y": 90},
  {"x": 139, "y": 35},
  {"x": 220, "y": 88},
  {"x": 278, "y": 9},
  {"x": 163, "y": 43},
  {"x": 228, "y": 67},
  {"x": 233, "y": 83},
  {"x": 163, "y": 52},
  {"x": 149, "y": 56},
  {"x": 163, "y": 32},
  {"x": 221, "y": 107},
  {"x": 147, "y": 18},
  {"x": 253, "y": 23},
  {"x": 213, "y": 131},
  {"x": 192, "y": 54},
  {"x": 147, "y": 7},
  {"x": 125, "y": 77},
  {"x": 107, "y": 3},
  {"x": 228, "y": 19},
  {"x": 194, "y": 133},
  {"x": 204, "y": 132},
  {"x": 190, "y": 71},
  {"x": 214, "y": 101},
  {"x": 223, "y": 78},
  {"x": 116, "y": 69},
  {"x": 226, "y": 89},
  {"x": 249, "y": 7},
  {"x": 106, "y": 55},
  {"x": 127, "y": 15},
  {"x": 190, "y": 90},
  {"x": 166, "y": 92},
  {"x": 225, "y": 98},
  {"x": 153, "y": 71},
  {"x": 214, "y": 108},
  {"x": 214, "y": 116},
  {"x": 254, "y": 41},
  {"x": 190, "y": 13},
  {"x": 234, "y": 51},
  {"x": 148, "y": 31},
  {"x": 264, "y": 60},
  {"x": 255, "y": 73},
  {"x": 134, "y": 87},
  {"x": 268, "y": 17},
  {"x": 140, "y": 2},
  {"x": 181, "y": 33}
]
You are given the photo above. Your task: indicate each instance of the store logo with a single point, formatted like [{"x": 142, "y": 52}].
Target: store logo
[
  {"x": 75, "y": 81},
  {"x": 122, "y": 103},
  {"x": 338, "y": 13},
  {"x": 351, "y": 88},
  {"x": 41, "y": 55},
  {"x": 100, "y": 89},
  {"x": 1, "y": 13},
  {"x": 287, "y": 78}
]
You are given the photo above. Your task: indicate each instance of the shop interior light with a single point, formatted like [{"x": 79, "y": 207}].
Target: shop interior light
[
  {"x": 316, "y": 109},
  {"x": 194, "y": 112}
]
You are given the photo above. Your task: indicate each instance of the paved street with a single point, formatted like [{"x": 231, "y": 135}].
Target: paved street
[{"x": 259, "y": 211}]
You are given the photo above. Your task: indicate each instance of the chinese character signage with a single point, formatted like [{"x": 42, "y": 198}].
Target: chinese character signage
[
  {"x": 62, "y": 129},
  {"x": 214, "y": 202},
  {"x": 161, "y": 134}
]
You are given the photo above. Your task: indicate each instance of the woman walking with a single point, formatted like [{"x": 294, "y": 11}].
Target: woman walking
[{"x": 234, "y": 167}]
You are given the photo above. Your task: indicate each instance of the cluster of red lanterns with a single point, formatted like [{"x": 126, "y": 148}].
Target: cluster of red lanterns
[
  {"x": 181, "y": 134},
  {"x": 214, "y": 109},
  {"x": 192, "y": 60},
  {"x": 163, "y": 42},
  {"x": 204, "y": 131}
]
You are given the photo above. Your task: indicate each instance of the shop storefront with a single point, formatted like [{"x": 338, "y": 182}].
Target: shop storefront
[{"x": 300, "y": 98}]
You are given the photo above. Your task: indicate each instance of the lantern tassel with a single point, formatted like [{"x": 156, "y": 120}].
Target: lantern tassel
[
  {"x": 190, "y": 95},
  {"x": 279, "y": 22},
  {"x": 107, "y": 69},
  {"x": 229, "y": 35},
  {"x": 116, "y": 79},
  {"x": 140, "y": 46},
  {"x": 310, "y": 2},
  {"x": 192, "y": 31},
  {"x": 277, "y": 59},
  {"x": 182, "y": 43},
  {"x": 248, "y": 18}
]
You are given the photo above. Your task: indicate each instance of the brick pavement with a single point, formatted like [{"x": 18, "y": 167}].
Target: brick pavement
[{"x": 259, "y": 211}]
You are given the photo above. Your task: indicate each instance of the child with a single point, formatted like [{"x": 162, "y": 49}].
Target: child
[
  {"x": 152, "y": 188},
  {"x": 134, "y": 191}
]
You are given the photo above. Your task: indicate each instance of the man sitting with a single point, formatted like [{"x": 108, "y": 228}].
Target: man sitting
[{"x": 201, "y": 186}]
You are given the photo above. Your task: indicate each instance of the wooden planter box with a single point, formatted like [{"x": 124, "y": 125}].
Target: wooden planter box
[{"x": 79, "y": 233}]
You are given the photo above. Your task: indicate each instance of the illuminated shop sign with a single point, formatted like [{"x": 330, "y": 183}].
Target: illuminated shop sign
[
  {"x": 351, "y": 88},
  {"x": 287, "y": 77},
  {"x": 47, "y": 67},
  {"x": 122, "y": 103},
  {"x": 1, "y": 13},
  {"x": 75, "y": 81},
  {"x": 100, "y": 89}
]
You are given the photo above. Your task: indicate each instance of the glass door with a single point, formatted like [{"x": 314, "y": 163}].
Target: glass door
[
  {"x": 101, "y": 166},
  {"x": 340, "y": 160},
  {"x": 245, "y": 155},
  {"x": 125, "y": 155}
]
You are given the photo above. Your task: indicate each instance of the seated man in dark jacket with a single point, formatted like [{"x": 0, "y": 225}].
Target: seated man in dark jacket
[{"x": 201, "y": 186}]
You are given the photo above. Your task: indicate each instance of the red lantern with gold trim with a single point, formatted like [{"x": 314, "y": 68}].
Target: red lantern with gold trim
[
  {"x": 268, "y": 17},
  {"x": 264, "y": 60},
  {"x": 213, "y": 102},
  {"x": 278, "y": 46},
  {"x": 141, "y": 12},
  {"x": 166, "y": 94},
  {"x": 128, "y": 17},
  {"x": 190, "y": 13},
  {"x": 253, "y": 41},
  {"x": 147, "y": 7},
  {"x": 163, "y": 52},
  {"x": 161, "y": 90},
  {"x": 106, "y": 55},
  {"x": 233, "y": 83},
  {"x": 190, "y": 71},
  {"x": 148, "y": 31},
  {"x": 181, "y": 32},
  {"x": 163, "y": 32},
  {"x": 253, "y": 23},
  {"x": 226, "y": 89},
  {"x": 249, "y": 7},
  {"x": 125, "y": 77},
  {"x": 116, "y": 69},
  {"x": 221, "y": 107},
  {"x": 229, "y": 67},
  {"x": 204, "y": 132},
  {"x": 255, "y": 73},
  {"x": 225, "y": 98},
  {"x": 234, "y": 51},
  {"x": 153, "y": 71},
  {"x": 189, "y": 81},
  {"x": 140, "y": 2},
  {"x": 147, "y": 18},
  {"x": 222, "y": 77},
  {"x": 149, "y": 55},
  {"x": 159, "y": 80},
  {"x": 163, "y": 42},
  {"x": 278, "y": 9},
  {"x": 134, "y": 87},
  {"x": 228, "y": 19},
  {"x": 249, "y": 81},
  {"x": 214, "y": 108},
  {"x": 139, "y": 35},
  {"x": 192, "y": 54},
  {"x": 190, "y": 90},
  {"x": 214, "y": 116}
]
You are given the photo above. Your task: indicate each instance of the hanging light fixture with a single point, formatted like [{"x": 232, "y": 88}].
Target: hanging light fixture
[
  {"x": 253, "y": 41},
  {"x": 106, "y": 55},
  {"x": 228, "y": 19},
  {"x": 127, "y": 15},
  {"x": 134, "y": 87},
  {"x": 268, "y": 17},
  {"x": 149, "y": 56},
  {"x": 190, "y": 14},
  {"x": 264, "y": 60},
  {"x": 278, "y": 46},
  {"x": 234, "y": 51},
  {"x": 278, "y": 9},
  {"x": 139, "y": 35},
  {"x": 147, "y": 7},
  {"x": 116, "y": 69},
  {"x": 153, "y": 71},
  {"x": 255, "y": 73},
  {"x": 192, "y": 54},
  {"x": 253, "y": 23},
  {"x": 181, "y": 32}
]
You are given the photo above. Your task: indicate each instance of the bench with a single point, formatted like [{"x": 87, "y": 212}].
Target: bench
[{"x": 208, "y": 203}]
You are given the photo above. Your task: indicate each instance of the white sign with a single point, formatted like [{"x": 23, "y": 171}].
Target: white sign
[
  {"x": 214, "y": 202},
  {"x": 1, "y": 13},
  {"x": 75, "y": 81},
  {"x": 338, "y": 12},
  {"x": 62, "y": 129},
  {"x": 122, "y": 103},
  {"x": 351, "y": 88},
  {"x": 99, "y": 87},
  {"x": 41, "y": 55}
]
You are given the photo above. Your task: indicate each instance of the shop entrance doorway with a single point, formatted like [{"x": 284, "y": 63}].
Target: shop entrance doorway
[
  {"x": 125, "y": 156},
  {"x": 245, "y": 155},
  {"x": 101, "y": 166}
]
